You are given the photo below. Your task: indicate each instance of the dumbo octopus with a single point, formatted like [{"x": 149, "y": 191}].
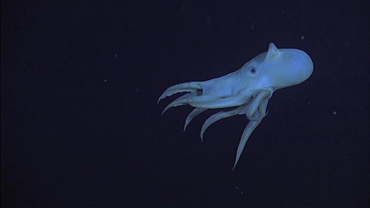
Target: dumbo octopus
[{"x": 248, "y": 89}]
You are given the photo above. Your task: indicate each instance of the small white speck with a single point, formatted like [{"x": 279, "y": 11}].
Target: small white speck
[
  {"x": 302, "y": 37},
  {"x": 253, "y": 25},
  {"x": 105, "y": 80},
  {"x": 335, "y": 113},
  {"x": 115, "y": 55},
  {"x": 241, "y": 192}
]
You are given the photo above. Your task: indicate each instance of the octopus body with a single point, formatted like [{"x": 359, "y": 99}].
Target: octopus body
[{"x": 248, "y": 89}]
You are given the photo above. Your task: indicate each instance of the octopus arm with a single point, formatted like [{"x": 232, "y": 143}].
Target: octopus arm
[
  {"x": 192, "y": 114},
  {"x": 221, "y": 115},
  {"x": 255, "y": 113}
]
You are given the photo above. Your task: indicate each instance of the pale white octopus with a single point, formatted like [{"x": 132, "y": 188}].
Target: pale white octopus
[{"x": 247, "y": 89}]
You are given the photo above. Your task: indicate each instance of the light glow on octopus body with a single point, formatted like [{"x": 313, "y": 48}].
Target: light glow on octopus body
[{"x": 248, "y": 89}]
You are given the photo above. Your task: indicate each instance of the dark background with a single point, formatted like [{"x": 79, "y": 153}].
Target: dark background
[{"x": 80, "y": 123}]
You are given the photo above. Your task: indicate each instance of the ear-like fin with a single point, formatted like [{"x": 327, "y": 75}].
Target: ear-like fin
[{"x": 272, "y": 52}]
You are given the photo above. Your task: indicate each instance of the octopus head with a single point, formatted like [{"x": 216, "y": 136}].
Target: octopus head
[{"x": 286, "y": 67}]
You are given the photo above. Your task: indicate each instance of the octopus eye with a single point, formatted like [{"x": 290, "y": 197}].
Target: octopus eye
[{"x": 252, "y": 70}]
